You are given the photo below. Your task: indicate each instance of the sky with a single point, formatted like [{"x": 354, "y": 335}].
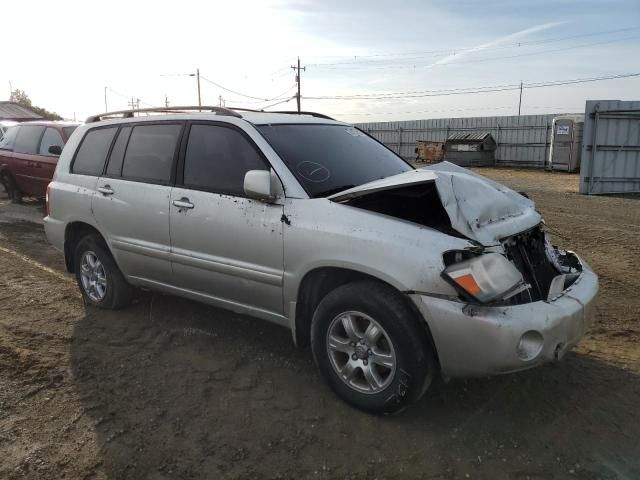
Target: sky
[{"x": 64, "y": 54}]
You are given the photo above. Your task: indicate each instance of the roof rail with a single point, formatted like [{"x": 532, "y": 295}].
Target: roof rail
[
  {"x": 190, "y": 108},
  {"x": 312, "y": 114}
]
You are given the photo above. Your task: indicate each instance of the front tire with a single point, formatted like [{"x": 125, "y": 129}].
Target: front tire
[
  {"x": 99, "y": 278},
  {"x": 370, "y": 347}
]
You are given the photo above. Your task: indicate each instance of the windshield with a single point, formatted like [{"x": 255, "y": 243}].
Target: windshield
[{"x": 327, "y": 159}]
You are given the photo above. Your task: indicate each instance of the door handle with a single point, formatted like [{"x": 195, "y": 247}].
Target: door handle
[
  {"x": 184, "y": 202},
  {"x": 106, "y": 190}
]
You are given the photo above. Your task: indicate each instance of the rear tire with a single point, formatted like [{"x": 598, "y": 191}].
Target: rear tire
[
  {"x": 99, "y": 278},
  {"x": 11, "y": 188},
  {"x": 370, "y": 347}
]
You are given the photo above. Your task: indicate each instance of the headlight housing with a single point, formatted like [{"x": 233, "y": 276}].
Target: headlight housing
[{"x": 485, "y": 278}]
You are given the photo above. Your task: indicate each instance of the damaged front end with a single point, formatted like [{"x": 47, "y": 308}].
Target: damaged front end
[
  {"x": 516, "y": 300},
  {"x": 512, "y": 262},
  {"x": 525, "y": 268}
]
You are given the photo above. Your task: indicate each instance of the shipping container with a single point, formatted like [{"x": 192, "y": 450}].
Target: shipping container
[{"x": 611, "y": 147}]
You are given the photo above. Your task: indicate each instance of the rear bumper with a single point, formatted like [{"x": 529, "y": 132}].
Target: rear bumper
[
  {"x": 476, "y": 341},
  {"x": 54, "y": 229}
]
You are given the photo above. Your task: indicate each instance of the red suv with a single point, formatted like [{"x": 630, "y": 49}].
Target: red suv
[{"x": 28, "y": 156}]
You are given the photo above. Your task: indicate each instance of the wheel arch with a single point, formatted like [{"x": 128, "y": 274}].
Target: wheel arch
[
  {"x": 73, "y": 232},
  {"x": 320, "y": 281}
]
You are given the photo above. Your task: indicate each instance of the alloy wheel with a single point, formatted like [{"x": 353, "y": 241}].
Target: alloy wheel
[
  {"x": 93, "y": 276},
  {"x": 360, "y": 352}
]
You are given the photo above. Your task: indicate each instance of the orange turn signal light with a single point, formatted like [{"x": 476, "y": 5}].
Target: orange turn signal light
[{"x": 468, "y": 283}]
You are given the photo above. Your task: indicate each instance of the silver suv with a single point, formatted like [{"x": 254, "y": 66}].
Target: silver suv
[{"x": 392, "y": 274}]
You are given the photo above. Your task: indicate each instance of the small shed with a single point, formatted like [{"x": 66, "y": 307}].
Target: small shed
[
  {"x": 471, "y": 149},
  {"x": 429, "y": 152}
]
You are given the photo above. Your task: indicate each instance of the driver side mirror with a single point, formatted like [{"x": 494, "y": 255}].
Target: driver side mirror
[
  {"x": 262, "y": 185},
  {"x": 55, "y": 150}
]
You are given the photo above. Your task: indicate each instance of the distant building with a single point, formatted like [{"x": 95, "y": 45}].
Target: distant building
[{"x": 17, "y": 113}]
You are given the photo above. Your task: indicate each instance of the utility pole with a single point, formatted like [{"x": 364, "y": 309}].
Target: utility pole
[
  {"x": 520, "y": 103},
  {"x": 297, "y": 70},
  {"x": 134, "y": 103},
  {"x": 166, "y": 101},
  {"x": 10, "y": 89},
  {"x": 197, "y": 75},
  {"x": 221, "y": 101},
  {"x": 106, "y": 109}
]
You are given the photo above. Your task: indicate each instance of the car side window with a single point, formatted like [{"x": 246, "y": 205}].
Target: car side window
[
  {"x": 50, "y": 138},
  {"x": 28, "y": 139},
  {"x": 9, "y": 138},
  {"x": 217, "y": 159},
  {"x": 93, "y": 151},
  {"x": 114, "y": 167},
  {"x": 150, "y": 152}
]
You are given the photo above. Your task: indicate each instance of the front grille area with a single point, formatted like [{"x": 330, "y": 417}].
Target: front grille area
[{"x": 528, "y": 253}]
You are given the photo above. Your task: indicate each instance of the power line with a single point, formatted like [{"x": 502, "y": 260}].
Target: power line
[
  {"x": 280, "y": 96},
  {"x": 413, "y": 65},
  {"x": 264, "y": 99},
  {"x": 454, "y": 51},
  {"x": 506, "y": 107},
  {"x": 279, "y": 103},
  {"x": 127, "y": 97},
  {"x": 470, "y": 90}
]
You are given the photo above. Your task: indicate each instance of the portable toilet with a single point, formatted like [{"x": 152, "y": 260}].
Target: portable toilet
[
  {"x": 474, "y": 149},
  {"x": 566, "y": 143}
]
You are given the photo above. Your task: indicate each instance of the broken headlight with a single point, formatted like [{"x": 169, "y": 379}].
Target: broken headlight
[{"x": 485, "y": 278}]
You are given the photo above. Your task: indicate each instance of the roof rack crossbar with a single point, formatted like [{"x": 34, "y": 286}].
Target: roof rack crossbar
[{"x": 189, "y": 108}]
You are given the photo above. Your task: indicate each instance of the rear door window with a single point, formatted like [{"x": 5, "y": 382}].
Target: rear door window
[
  {"x": 217, "y": 159},
  {"x": 50, "y": 138},
  {"x": 93, "y": 151},
  {"x": 9, "y": 138},
  {"x": 28, "y": 139},
  {"x": 69, "y": 130},
  {"x": 150, "y": 152}
]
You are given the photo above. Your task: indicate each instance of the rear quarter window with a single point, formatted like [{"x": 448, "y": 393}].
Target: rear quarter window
[
  {"x": 91, "y": 155},
  {"x": 114, "y": 167}
]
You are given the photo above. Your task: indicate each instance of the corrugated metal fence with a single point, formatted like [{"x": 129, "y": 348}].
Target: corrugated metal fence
[
  {"x": 522, "y": 140},
  {"x": 611, "y": 147}
]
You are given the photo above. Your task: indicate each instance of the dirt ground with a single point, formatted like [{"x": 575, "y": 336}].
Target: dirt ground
[{"x": 170, "y": 388}]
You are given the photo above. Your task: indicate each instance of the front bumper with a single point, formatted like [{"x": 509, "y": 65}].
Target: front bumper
[{"x": 474, "y": 340}]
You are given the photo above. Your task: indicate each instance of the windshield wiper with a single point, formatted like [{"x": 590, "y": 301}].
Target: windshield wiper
[{"x": 333, "y": 190}]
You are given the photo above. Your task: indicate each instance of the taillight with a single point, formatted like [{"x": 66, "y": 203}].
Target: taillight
[{"x": 46, "y": 201}]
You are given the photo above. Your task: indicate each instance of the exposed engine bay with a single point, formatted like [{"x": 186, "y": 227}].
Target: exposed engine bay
[
  {"x": 547, "y": 270},
  {"x": 414, "y": 203}
]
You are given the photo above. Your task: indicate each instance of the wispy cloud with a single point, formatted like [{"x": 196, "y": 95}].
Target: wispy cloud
[{"x": 498, "y": 41}]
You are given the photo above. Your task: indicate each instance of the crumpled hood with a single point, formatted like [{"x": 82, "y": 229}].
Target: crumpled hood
[{"x": 478, "y": 208}]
